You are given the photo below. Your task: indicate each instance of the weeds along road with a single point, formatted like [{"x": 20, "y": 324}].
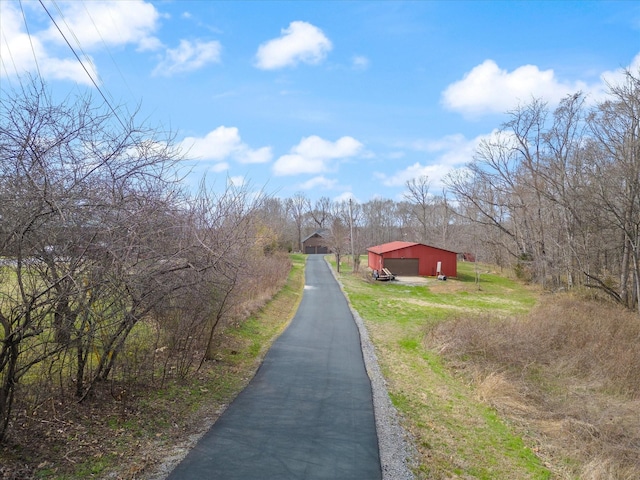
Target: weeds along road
[{"x": 308, "y": 412}]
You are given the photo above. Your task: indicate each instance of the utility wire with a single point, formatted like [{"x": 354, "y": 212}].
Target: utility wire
[
  {"x": 33, "y": 50},
  {"x": 106, "y": 47},
  {"x": 2, "y": 59},
  {"x": 86, "y": 57},
  {"x": 83, "y": 66}
]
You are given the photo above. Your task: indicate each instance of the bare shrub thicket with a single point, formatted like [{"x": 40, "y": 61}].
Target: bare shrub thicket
[
  {"x": 111, "y": 273},
  {"x": 570, "y": 370}
]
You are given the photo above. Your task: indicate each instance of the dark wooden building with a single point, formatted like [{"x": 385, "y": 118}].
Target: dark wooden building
[
  {"x": 316, "y": 242},
  {"x": 413, "y": 259}
]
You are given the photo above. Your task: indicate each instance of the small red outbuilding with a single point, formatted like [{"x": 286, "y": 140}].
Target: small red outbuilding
[{"x": 413, "y": 259}]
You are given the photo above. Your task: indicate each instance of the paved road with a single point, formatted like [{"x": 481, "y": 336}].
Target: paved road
[{"x": 308, "y": 412}]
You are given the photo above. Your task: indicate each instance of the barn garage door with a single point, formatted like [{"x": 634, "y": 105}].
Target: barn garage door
[
  {"x": 402, "y": 266},
  {"x": 311, "y": 249}
]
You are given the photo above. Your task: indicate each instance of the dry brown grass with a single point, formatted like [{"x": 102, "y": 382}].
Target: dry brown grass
[{"x": 568, "y": 374}]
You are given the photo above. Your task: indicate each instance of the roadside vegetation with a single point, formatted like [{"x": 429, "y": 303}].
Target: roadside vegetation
[
  {"x": 115, "y": 280},
  {"x": 140, "y": 431},
  {"x": 499, "y": 380}
]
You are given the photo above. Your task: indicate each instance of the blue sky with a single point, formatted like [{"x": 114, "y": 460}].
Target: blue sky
[{"x": 329, "y": 98}]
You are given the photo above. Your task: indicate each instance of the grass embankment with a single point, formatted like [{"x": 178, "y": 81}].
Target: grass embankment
[
  {"x": 568, "y": 373},
  {"x": 456, "y": 435},
  {"x": 122, "y": 435},
  {"x": 501, "y": 381},
  {"x": 240, "y": 350}
]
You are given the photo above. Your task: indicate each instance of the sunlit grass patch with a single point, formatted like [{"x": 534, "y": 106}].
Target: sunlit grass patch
[{"x": 455, "y": 434}]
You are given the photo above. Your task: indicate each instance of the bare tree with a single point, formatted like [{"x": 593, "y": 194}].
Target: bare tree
[
  {"x": 321, "y": 212},
  {"x": 379, "y": 221},
  {"x": 561, "y": 190},
  {"x": 78, "y": 191},
  {"x": 273, "y": 216},
  {"x": 298, "y": 207},
  {"x": 339, "y": 239},
  {"x": 615, "y": 124},
  {"x": 422, "y": 204},
  {"x": 98, "y": 239},
  {"x": 485, "y": 192}
]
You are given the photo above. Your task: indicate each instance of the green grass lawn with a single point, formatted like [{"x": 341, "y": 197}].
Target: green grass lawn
[{"x": 456, "y": 435}]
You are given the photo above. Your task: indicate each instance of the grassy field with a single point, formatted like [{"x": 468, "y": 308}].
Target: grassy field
[
  {"x": 456, "y": 434},
  {"x": 500, "y": 380}
]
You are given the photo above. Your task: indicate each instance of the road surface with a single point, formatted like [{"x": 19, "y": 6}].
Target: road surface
[{"x": 308, "y": 412}]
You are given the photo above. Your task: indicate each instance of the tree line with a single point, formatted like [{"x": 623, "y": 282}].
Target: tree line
[
  {"x": 553, "y": 193},
  {"x": 556, "y": 193}
]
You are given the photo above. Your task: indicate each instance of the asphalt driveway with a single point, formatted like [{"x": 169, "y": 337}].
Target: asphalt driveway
[{"x": 308, "y": 412}]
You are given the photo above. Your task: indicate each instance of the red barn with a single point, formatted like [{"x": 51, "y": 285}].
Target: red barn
[{"x": 413, "y": 259}]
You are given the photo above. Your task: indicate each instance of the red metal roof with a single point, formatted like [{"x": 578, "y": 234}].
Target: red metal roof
[{"x": 390, "y": 247}]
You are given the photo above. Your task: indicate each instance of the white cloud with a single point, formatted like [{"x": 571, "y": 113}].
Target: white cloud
[
  {"x": 344, "y": 197},
  {"x": 435, "y": 173},
  {"x": 261, "y": 155},
  {"x": 301, "y": 42},
  {"x": 449, "y": 152},
  {"x": 220, "y": 167},
  {"x": 314, "y": 155},
  {"x": 318, "y": 182},
  {"x": 616, "y": 77},
  {"x": 360, "y": 62},
  {"x": 187, "y": 57},
  {"x": 216, "y": 145},
  {"x": 149, "y": 44},
  {"x": 15, "y": 48},
  {"x": 69, "y": 69},
  {"x": 315, "y": 146},
  {"x": 451, "y": 149},
  {"x": 23, "y": 53},
  {"x": 108, "y": 22},
  {"x": 224, "y": 143},
  {"x": 90, "y": 24},
  {"x": 489, "y": 89},
  {"x": 236, "y": 181},
  {"x": 297, "y": 164}
]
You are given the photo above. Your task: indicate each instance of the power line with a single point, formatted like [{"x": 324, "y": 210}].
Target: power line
[
  {"x": 83, "y": 66},
  {"x": 72, "y": 33},
  {"x": 2, "y": 59},
  {"x": 106, "y": 47},
  {"x": 26, "y": 26},
  {"x": 8, "y": 53}
]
